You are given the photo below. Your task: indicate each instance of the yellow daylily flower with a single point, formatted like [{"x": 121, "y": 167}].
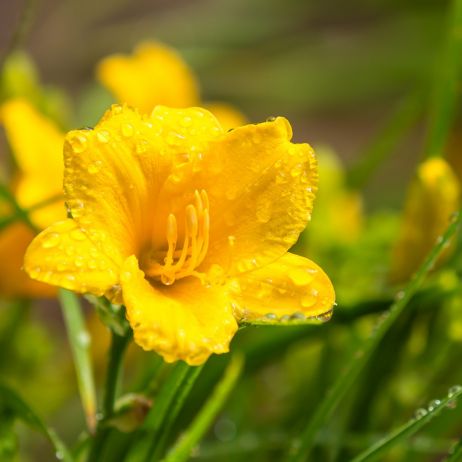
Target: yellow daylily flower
[
  {"x": 432, "y": 198},
  {"x": 37, "y": 147},
  {"x": 155, "y": 74},
  {"x": 187, "y": 225}
]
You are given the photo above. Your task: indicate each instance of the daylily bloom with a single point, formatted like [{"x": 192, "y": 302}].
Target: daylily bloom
[
  {"x": 37, "y": 147},
  {"x": 155, "y": 74},
  {"x": 432, "y": 198},
  {"x": 187, "y": 225}
]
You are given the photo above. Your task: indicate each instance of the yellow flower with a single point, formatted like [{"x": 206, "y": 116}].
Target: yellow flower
[
  {"x": 156, "y": 75},
  {"x": 432, "y": 198},
  {"x": 37, "y": 146},
  {"x": 187, "y": 225}
]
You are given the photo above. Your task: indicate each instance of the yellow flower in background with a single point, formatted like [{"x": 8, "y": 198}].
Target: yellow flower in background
[
  {"x": 37, "y": 147},
  {"x": 187, "y": 225},
  {"x": 338, "y": 217},
  {"x": 157, "y": 75},
  {"x": 432, "y": 198}
]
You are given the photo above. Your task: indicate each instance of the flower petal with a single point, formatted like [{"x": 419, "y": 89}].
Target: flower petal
[
  {"x": 64, "y": 255},
  {"x": 14, "y": 281},
  {"x": 260, "y": 188},
  {"x": 155, "y": 74},
  {"x": 292, "y": 288},
  {"x": 184, "y": 321},
  {"x": 37, "y": 145}
]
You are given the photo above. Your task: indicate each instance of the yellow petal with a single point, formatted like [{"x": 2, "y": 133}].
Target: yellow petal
[
  {"x": 291, "y": 288},
  {"x": 261, "y": 189},
  {"x": 184, "y": 321},
  {"x": 155, "y": 74},
  {"x": 432, "y": 198},
  {"x": 228, "y": 115},
  {"x": 14, "y": 282},
  {"x": 37, "y": 145},
  {"x": 64, "y": 255}
]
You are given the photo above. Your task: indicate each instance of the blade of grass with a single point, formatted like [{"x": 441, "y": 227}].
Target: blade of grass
[
  {"x": 300, "y": 446},
  {"x": 19, "y": 212},
  {"x": 446, "y": 89},
  {"x": 401, "y": 121},
  {"x": 409, "y": 428},
  {"x": 158, "y": 444},
  {"x": 12, "y": 402},
  {"x": 182, "y": 449},
  {"x": 80, "y": 345}
]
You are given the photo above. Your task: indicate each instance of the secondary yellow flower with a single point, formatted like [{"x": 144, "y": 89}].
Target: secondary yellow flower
[
  {"x": 432, "y": 198},
  {"x": 155, "y": 74},
  {"x": 37, "y": 147},
  {"x": 187, "y": 225}
]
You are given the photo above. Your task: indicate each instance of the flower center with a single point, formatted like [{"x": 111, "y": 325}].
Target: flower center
[{"x": 183, "y": 261}]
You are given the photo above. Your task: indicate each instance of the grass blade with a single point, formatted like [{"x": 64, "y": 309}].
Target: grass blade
[
  {"x": 11, "y": 402},
  {"x": 408, "y": 429},
  {"x": 301, "y": 446},
  {"x": 455, "y": 454},
  {"x": 181, "y": 451},
  {"x": 80, "y": 345},
  {"x": 446, "y": 95}
]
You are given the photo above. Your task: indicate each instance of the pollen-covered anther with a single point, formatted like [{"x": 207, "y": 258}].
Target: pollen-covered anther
[{"x": 182, "y": 262}]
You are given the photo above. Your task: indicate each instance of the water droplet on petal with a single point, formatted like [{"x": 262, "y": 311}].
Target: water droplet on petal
[
  {"x": 95, "y": 167},
  {"x": 300, "y": 277},
  {"x": 127, "y": 130},
  {"x": 51, "y": 240},
  {"x": 271, "y": 316},
  {"x": 103, "y": 136},
  {"x": 308, "y": 300},
  {"x": 186, "y": 121},
  {"x": 77, "y": 235},
  {"x": 78, "y": 143}
]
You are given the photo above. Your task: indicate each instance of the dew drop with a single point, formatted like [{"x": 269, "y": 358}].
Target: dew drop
[
  {"x": 95, "y": 167},
  {"x": 52, "y": 240},
  {"x": 454, "y": 390},
  {"x": 59, "y": 455},
  {"x": 103, "y": 136},
  {"x": 231, "y": 240},
  {"x": 127, "y": 130},
  {"x": 79, "y": 261},
  {"x": 308, "y": 300},
  {"x": 285, "y": 318},
  {"x": 78, "y": 143},
  {"x": 271, "y": 316},
  {"x": 298, "y": 316},
  {"x": 186, "y": 121},
  {"x": 263, "y": 212},
  {"x": 271, "y": 119},
  {"x": 83, "y": 338},
  {"x": 419, "y": 413},
  {"x": 77, "y": 235},
  {"x": 432, "y": 405},
  {"x": 300, "y": 277},
  {"x": 167, "y": 279},
  {"x": 174, "y": 138}
]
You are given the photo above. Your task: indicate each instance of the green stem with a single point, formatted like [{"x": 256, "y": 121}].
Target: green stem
[
  {"x": 456, "y": 453},
  {"x": 446, "y": 89},
  {"x": 300, "y": 447},
  {"x": 119, "y": 344},
  {"x": 79, "y": 340}
]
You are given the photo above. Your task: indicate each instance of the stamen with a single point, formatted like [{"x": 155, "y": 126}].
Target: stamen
[{"x": 179, "y": 263}]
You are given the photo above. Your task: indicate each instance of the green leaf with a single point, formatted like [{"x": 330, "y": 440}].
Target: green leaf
[
  {"x": 11, "y": 402},
  {"x": 301, "y": 446},
  {"x": 422, "y": 418},
  {"x": 79, "y": 339},
  {"x": 182, "y": 449}
]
